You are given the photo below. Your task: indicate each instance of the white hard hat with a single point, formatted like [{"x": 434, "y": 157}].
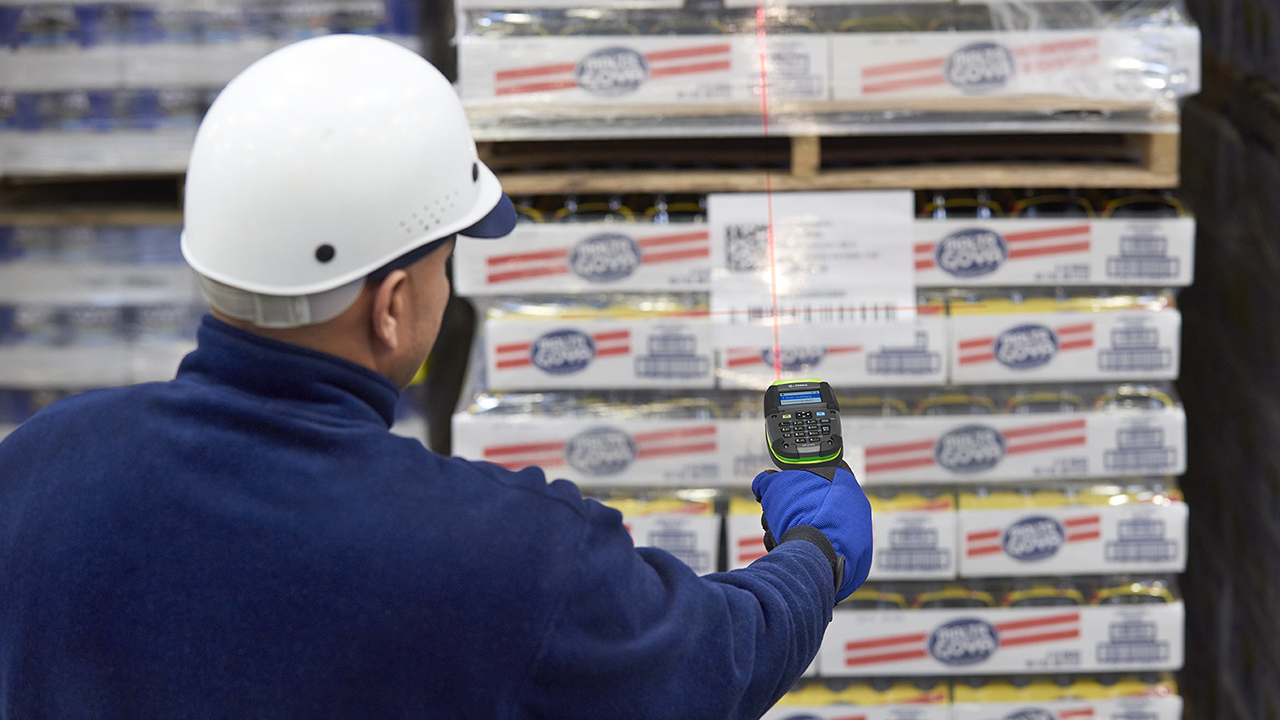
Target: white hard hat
[{"x": 321, "y": 163}]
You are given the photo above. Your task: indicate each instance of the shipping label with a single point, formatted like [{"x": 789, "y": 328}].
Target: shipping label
[
  {"x": 1030, "y": 252},
  {"x": 586, "y": 257},
  {"x": 1130, "y": 344},
  {"x": 1004, "y": 640},
  {"x": 1133, "y": 537},
  {"x": 628, "y": 69},
  {"x": 598, "y": 353}
]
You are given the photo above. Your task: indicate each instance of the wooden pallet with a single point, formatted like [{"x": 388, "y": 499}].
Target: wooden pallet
[{"x": 1111, "y": 160}]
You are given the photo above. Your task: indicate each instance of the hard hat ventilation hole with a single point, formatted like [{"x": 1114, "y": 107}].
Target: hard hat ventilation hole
[
  {"x": 324, "y": 253},
  {"x": 475, "y": 172}
]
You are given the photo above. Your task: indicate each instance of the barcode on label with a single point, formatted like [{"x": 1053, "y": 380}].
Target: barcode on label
[
  {"x": 824, "y": 314},
  {"x": 1142, "y": 551}
]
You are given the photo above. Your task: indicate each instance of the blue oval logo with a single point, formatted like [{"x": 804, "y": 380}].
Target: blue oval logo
[
  {"x": 967, "y": 641},
  {"x": 612, "y": 71},
  {"x": 1034, "y": 538},
  {"x": 562, "y": 352},
  {"x": 600, "y": 451},
  {"x": 1031, "y": 714},
  {"x": 980, "y": 67},
  {"x": 971, "y": 253},
  {"x": 605, "y": 257},
  {"x": 1026, "y": 347},
  {"x": 970, "y": 449},
  {"x": 796, "y": 358}
]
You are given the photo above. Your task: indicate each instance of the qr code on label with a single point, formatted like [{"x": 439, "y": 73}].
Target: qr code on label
[{"x": 746, "y": 247}]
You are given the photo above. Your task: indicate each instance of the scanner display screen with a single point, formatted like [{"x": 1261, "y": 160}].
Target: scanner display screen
[{"x": 801, "y": 397}]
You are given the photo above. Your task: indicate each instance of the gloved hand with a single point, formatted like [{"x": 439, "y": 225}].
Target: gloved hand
[{"x": 834, "y": 505}]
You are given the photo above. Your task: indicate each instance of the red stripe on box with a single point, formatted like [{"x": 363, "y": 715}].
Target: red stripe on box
[
  {"x": 901, "y": 84},
  {"x": 749, "y": 360},
  {"x": 1059, "y": 46},
  {"x": 1038, "y": 622},
  {"x": 536, "y": 87},
  {"x": 1044, "y": 637},
  {"x": 1042, "y": 429},
  {"x": 1082, "y": 327},
  {"x": 887, "y": 657},
  {"x": 909, "y": 66},
  {"x": 513, "y": 347},
  {"x": 898, "y": 464},
  {"x": 1082, "y": 536},
  {"x": 984, "y": 550},
  {"x": 502, "y": 75},
  {"x": 677, "y": 255},
  {"x": 924, "y": 264},
  {"x": 1083, "y": 712},
  {"x": 527, "y": 447},
  {"x": 620, "y": 350},
  {"x": 969, "y": 359},
  {"x": 519, "y": 362},
  {"x": 1042, "y": 234},
  {"x": 1045, "y": 445},
  {"x": 923, "y": 247},
  {"x": 984, "y": 535},
  {"x": 519, "y": 464},
  {"x": 611, "y": 335},
  {"x": 531, "y": 272},
  {"x": 895, "y": 449},
  {"x": 690, "y": 69},
  {"x": 675, "y": 450},
  {"x": 976, "y": 342},
  {"x": 1090, "y": 520},
  {"x": 687, "y": 52},
  {"x": 1049, "y": 250},
  {"x": 523, "y": 257},
  {"x": 884, "y": 642},
  {"x": 665, "y": 434},
  {"x": 1076, "y": 344},
  {"x": 670, "y": 239}
]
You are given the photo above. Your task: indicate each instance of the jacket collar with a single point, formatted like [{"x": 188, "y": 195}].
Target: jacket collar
[{"x": 230, "y": 356}]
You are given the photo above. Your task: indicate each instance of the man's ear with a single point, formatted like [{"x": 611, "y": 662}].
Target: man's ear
[{"x": 390, "y": 302}]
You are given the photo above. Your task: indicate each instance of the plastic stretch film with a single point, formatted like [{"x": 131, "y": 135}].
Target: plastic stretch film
[{"x": 622, "y": 68}]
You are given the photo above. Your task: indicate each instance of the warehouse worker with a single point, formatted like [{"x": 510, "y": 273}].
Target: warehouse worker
[{"x": 250, "y": 541}]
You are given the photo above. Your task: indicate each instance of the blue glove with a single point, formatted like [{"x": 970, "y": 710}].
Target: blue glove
[{"x": 837, "y": 508}]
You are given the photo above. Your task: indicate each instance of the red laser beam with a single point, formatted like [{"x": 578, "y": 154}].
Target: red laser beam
[{"x": 761, "y": 40}]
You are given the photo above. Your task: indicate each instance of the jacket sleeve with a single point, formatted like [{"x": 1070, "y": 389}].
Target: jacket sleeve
[{"x": 636, "y": 634}]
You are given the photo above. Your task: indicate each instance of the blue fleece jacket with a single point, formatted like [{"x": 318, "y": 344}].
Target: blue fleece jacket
[{"x": 250, "y": 541}]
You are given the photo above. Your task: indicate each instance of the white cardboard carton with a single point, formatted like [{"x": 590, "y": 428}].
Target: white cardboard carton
[
  {"x": 586, "y": 257},
  {"x": 843, "y": 359},
  {"x": 1023, "y": 252},
  {"x": 1004, "y": 640},
  {"x": 1161, "y": 707},
  {"x": 900, "y": 450},
  {"x": 840, "y": 711},
  {"x": 598, "y": 353},
  {"x": 650, "y": 69},
  {"x": 981, "y": 448},
  {"x": 992, "y": 342},
  {"x": 602, "y": 452},
  {"x": 1118, "y": 64},
  {"x": 1133, "y": 537},
  {"x": 694, "y": 539}
]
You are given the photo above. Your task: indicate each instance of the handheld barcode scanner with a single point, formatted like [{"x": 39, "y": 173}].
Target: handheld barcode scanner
[{"x": 802, "y": 425}]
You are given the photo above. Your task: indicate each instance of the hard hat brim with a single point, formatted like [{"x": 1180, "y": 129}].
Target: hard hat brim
[{"x": 500, "y": 221}]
